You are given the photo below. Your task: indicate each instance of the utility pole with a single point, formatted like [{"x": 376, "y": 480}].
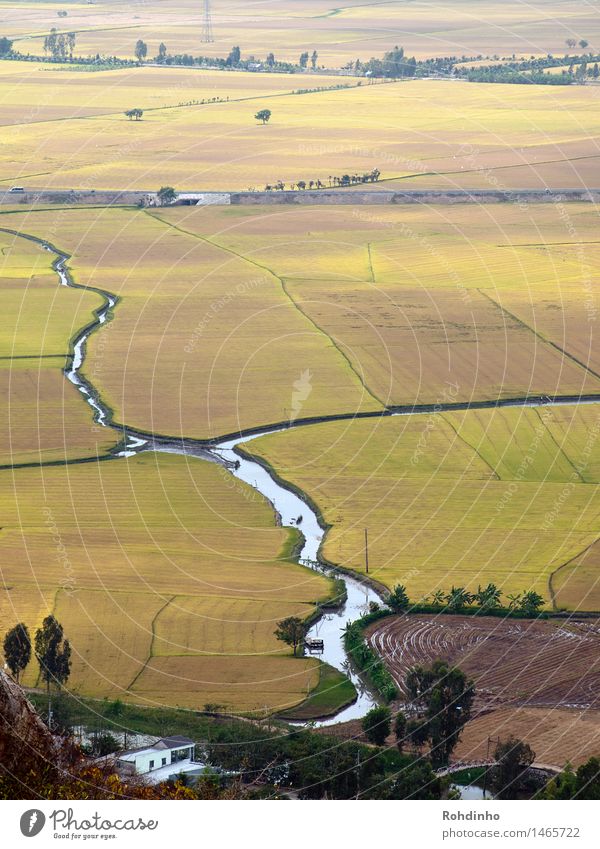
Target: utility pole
[
  {"x": 207, "y": 30},
  {"x": 367, "y": 551},
  {"x": 487, "y": 757}
]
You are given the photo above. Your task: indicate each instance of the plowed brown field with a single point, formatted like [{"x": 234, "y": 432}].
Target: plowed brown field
[{"x": 518, "y": 662}]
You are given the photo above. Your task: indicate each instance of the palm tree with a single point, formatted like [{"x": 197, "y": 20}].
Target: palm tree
[
  {"x": 438, "y": 598},
  {"x": 488, "y": 597},
  {"x": 458, "y": 598},
  {"x": 513, "y": 600}
]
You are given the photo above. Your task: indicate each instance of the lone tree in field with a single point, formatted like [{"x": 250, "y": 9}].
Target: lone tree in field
[
  {"x": 141, "y": 50},
  {"x": 443, "y": 696},
  {"x": 291, "y": 631},
  {"x": 162, "y": 52},
  {"x": 5, "y": 46},
  {"x": 513, "y": 758},
  {"x": 264, "y": 115},
  {"x": 377, "y": 724},
  {"x": 17, "y": 649},
  {"x": 136, "y": 114},
  {"x": 53, "y": 653},
  {"x": 166, "y": 195}
]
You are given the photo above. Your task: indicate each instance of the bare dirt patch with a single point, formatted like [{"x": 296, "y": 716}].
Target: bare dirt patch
[{"x": 512, "y": 662}]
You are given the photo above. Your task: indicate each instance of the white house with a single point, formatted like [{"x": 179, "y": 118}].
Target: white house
[{"x": 168, "y": 757}]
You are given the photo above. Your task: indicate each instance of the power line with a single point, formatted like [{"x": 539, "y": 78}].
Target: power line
[{"x": 207, "y": 30}]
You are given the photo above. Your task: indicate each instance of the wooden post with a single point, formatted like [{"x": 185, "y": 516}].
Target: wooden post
[{"x": 367, "y": 551}]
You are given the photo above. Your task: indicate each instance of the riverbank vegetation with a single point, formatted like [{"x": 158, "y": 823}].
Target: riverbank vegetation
[
  {"x": 333, "y": 692},
  {"x": 271, "y": 760}
]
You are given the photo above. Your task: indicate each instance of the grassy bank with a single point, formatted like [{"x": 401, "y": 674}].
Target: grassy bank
[{"x": 333, "y": 692}]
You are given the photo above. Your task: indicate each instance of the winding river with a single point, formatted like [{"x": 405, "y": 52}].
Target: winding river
[
  {"x": 286, "y": 503},
  {"x": 289, "y": 506}
]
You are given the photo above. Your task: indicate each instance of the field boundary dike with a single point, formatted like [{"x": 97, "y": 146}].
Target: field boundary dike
[{"x": 320, "y": 197}]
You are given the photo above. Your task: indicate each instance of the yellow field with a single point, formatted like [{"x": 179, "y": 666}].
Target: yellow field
[
  {"x": 440, "y": 303},
  {"x": 203, "y": 342},
  {"x": 557, "y": 736},
  {"x": 42, "y": 416},
  {"x": 424, "y": 133},
  {"x": 226, "y": 312},
  {"x": 506, "y": 495},
  {"x": 81, "y": 95},
  {"x": 167, "y": 579},
  {"x": 340, "y": 34}
]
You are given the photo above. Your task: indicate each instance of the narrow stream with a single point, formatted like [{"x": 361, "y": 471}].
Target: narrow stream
[{"x": 330, "y": 626}]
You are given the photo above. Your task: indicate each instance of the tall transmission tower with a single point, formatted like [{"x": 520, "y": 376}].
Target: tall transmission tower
[{"x": 207, "y": 30}]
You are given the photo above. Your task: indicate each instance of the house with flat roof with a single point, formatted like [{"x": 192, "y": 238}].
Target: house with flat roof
[{"x": 168, "y": 757}]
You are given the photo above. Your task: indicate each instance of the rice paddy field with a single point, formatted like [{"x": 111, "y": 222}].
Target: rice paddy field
[
  {"x": 557, "y": 736},
  {"x": 434, "y": 303},
  {"x": 507, "y": 496},
  {"x": 167, "y": 575},
  {"x": 420, "y": 134},
  {"x": 223, "y": 310},
  {"x": 42, "y": 417},
  {"x": 203, "y": 342},
  {"x": 357, "y": 29},
  {"x": 167, "y": 579}
]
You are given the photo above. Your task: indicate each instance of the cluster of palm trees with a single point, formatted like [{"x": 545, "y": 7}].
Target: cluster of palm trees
[
  {"x": 344, "y": 180},
  {"x": 486, "y": 598}
]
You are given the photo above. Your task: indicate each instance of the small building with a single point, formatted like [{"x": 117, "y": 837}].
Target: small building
[{"x": 168, "y": 756}]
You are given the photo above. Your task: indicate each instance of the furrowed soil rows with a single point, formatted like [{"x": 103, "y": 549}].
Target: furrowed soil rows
[{"x": 516, "y": 662}]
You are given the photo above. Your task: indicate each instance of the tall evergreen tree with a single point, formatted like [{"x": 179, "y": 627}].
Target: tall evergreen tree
[{"x": 17, "y": 649}]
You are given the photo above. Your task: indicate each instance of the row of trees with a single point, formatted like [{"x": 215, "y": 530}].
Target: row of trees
[
  {"x": 394, "y": 65},
  {"x": 345, "y": 180},
  {"x": 52, "y": 651},
  {"x": 60, "y": 45},
  {"x": 458, "y": 599},
  {"x": 232, "y": 60}
]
